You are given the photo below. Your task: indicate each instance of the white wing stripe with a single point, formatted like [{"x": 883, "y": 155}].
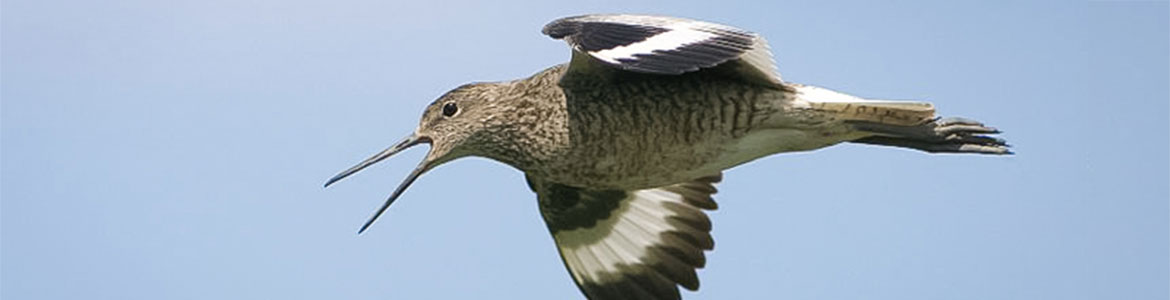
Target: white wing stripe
[
  {"x": 636, "y": 249},
  {"x": 622, "y": 247},
  {"x": 665, "y": 41},
  {"x": 664, "y": 45},
  {"x": 636, "y": 226}
]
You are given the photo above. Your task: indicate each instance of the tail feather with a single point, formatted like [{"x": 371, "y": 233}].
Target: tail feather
[
  {"x": 851, "y": 108},
  {"x": 905, "y": 124}
]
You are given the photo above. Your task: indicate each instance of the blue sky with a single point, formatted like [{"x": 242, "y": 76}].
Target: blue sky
[{"x": 176, "y": 150}]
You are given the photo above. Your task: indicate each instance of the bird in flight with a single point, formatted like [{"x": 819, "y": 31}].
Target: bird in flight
[{"x": 623, "y": 145}]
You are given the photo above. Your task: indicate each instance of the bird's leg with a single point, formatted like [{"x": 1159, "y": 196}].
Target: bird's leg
[{"x": 946, "y": 135}]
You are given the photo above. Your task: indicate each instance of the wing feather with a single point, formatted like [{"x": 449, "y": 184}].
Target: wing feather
[
  {"x": 640, "y": 244},
  {"x": 665, "y": 45}
]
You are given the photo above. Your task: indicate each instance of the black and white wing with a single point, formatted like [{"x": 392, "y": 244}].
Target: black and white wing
[
  {"x": 638, "y": 244},
  {"x": 663, "y": 45}
]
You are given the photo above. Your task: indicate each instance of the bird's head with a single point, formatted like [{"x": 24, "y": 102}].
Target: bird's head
[{"x": 453, "y": 125}]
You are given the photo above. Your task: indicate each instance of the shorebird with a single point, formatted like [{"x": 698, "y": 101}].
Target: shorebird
[{"x": 624, "y": 143}]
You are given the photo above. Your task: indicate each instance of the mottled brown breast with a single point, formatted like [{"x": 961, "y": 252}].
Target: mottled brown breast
[{"x": 637, "y": 131}]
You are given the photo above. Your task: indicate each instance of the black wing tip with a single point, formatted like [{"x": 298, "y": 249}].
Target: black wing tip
[
  {"x": 556, "y": 31},
  {"x": 562, "y": 27},
  {"x": 566, "y": 26}
]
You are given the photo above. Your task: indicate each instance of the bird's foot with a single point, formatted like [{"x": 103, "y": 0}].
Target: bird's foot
[{"x": 941, "y": 135}]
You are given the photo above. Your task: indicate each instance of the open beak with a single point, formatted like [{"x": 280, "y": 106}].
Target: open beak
[{"x": 423, "y": 166}]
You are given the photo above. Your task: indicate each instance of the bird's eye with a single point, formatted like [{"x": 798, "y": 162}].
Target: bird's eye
[{"x": 450, "y": 109}]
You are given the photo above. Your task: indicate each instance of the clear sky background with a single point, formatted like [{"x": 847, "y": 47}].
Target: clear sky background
[{"x": 176, "y": 150}]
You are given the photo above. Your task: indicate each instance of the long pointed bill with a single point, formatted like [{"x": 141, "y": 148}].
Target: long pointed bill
[
  {"x": 408, "y": 142},
  {"x": 422, "y": 167}
]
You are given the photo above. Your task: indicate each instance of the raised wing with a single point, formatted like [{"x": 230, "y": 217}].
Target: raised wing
[
  {"x": 630, "y": 244},
  {"x": 663, "y": 45}
]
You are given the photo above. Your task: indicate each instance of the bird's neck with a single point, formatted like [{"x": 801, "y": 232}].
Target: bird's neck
[{"x": 528, "y": 124}]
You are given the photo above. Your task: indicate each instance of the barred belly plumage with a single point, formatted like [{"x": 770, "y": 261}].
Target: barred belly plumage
[
  {"x": 642, "y": 132},
  {"x": 623, "y": 145}
]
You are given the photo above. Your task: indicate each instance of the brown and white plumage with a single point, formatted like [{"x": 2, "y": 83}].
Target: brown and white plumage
[
  {"x": 664, "y": 45},
  {"x": 624, "y": 144},
  {"x": 630, "y": 244}
]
